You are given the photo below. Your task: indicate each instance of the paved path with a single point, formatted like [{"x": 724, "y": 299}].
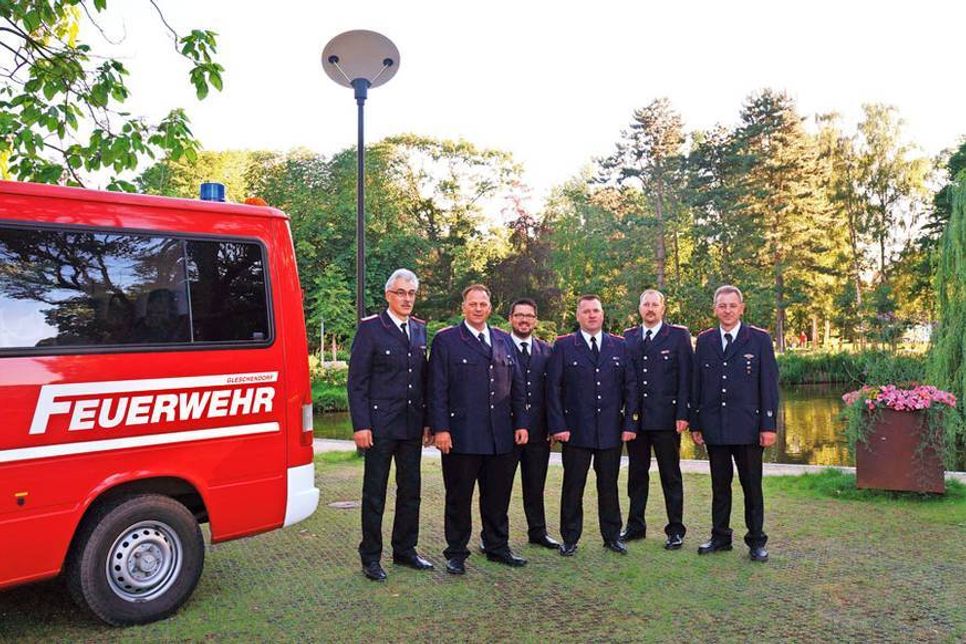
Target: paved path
[{"x": 690, "y": 466}]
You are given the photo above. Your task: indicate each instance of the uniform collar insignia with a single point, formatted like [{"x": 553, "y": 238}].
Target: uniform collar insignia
[{"x": 749, "y": 356}]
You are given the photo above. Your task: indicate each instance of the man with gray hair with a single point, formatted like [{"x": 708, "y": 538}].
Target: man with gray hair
[
  {"x": 387, "y": 384},
  {"x": 662, "y": 355},
  {"x": 734, "y": 412}
]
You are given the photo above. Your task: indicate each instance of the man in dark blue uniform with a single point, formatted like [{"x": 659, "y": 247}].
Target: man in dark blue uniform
[
  {"x": 531, "y": 355},
  {"x": 734, "y": 412},
  {"x": 662, "y": 357},
  {"x": 477, "y": 412},
  {"x": 387, "y": 378},
  {"x": 592, "y": 410}
]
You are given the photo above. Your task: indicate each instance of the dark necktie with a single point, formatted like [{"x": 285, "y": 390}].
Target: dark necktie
[
  {"x": 593, "y": 347},
  {"x": 525, "y": 352},
  {"x": 647, "y": 340},
  {"x": 405, "y": 329},
  {"x": 482, "y": 337},
  {"x": 727, "y": 342}
]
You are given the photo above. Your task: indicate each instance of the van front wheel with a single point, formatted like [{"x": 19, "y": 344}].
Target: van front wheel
[{"x": 136, "y": 560}]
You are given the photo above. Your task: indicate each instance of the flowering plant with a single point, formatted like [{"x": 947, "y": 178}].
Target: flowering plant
[
  {"x": 899, "y": 399},
  {"x": 864, "y": 406}
]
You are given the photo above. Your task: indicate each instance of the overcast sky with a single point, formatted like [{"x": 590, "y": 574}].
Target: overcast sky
[{"x": 552, "y": 82}]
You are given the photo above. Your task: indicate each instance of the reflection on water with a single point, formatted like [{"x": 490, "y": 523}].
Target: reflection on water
[{"x": 809, "y": 429}]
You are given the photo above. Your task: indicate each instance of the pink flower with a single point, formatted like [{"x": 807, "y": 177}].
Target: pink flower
[{"x": 892, "y": 397}]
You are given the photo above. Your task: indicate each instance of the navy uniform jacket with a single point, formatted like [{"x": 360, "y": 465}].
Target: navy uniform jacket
[
  {"x": 594, "y": 401},
  {"x": 734, "y": 395},
  {"x": 387, "y": 378},
  {"x": 663, "y": 375},
  {"x": 475, "y": 393},
  {"x": 534, "y": 377}
]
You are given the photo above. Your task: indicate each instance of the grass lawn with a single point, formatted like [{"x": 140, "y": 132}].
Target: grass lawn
[{"x": 845, "y": 566}]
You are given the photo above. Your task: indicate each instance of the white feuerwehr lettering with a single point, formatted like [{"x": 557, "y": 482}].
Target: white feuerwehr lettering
[{"x": 107, "y": 410}]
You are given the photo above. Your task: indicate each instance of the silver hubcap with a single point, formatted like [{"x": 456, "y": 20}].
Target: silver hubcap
[{"x": 144, "y": 561}]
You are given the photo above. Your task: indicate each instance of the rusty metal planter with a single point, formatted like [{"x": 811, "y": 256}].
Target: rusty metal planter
[{"x": 897, "y": 455}]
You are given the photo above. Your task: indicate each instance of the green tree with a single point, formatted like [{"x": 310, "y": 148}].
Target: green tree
[
  {"x": 891, "y": 178},
  {"x": 183, "y": 177},
  {"x": 649, "y": 156},
  {"x": 62, "y": 105},
  {"x": 782, "y": 196},
  {"x": 946, "y": 366}
]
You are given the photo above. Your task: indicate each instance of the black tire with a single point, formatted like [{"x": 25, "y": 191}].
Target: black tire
[{"x": 136, "y": 559}]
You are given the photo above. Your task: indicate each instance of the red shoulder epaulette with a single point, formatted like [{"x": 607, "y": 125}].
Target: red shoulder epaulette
[
  {"x": 369, "y": 317},
  {"x": 616, "y": 337},
  {"x": 418, "y": 319},
  {"x": 631, "y": 328},
  {"x": 561, "y": 337},
  {"x": 711, "y": 330}
]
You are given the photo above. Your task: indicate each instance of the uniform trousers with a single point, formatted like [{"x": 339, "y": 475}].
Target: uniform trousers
[
  {"x": 534, "y": 460},
  {"x": 576, "y": 463},
  {"x": 405, "y": 527},
  {"x": 460, "y": 473},
  {"x": 667, "y": 450},
  {"x": 747, "y": 459}
]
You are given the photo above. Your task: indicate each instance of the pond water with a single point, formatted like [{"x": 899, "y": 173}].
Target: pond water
[{"x": 809, "y": 429}]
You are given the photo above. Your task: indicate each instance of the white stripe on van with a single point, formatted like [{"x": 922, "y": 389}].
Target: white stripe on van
[{"x": 89, "y": 447}]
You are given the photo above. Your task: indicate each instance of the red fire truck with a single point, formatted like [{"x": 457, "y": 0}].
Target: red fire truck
[{"x": 153, "y": 376}]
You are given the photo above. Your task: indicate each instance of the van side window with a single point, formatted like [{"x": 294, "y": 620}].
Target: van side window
[
  {"x": 65, "y": 288},
  {"x": 228, "y": 299}
]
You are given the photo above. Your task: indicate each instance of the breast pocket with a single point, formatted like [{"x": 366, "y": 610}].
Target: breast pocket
[{"x": 388, "y": 356}]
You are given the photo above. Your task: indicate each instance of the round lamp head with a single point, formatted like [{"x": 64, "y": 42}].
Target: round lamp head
[{"x": 360, "y": 54}]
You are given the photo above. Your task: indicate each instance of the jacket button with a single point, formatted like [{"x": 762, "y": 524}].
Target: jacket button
[
  {"x": 725, "y": 364},
  {"x": 597, "y": 370},
  {"x": 410, "y": 371},
  {"x": 645, "y": 371},
  {"x": 724, "y": 404},
  {"x": 723, "y": 377},
  {"x": 645, "y": 382},
  {"x": 452, "y": 413},
  {"x": 598, "y": 383},
  {"x": 598, "y": 396},
  {"x": 645, "y": 395},
  {"x": 645, "y": 357},
  {"x": 674, "y": 402},
  {"x": 375, "y": 406},
  {"x": 724, "y": 391},
  {"x": 410, "y": 386},
  {"x": 491, "y": 406}
]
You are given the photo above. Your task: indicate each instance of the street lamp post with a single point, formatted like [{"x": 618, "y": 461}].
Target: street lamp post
[{"x": 360, "y": 59}]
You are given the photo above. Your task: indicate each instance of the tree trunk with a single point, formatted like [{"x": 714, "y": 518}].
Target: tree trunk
[
  {"x": 661, "y": 250},
  {"x": 779, "y": 309}
]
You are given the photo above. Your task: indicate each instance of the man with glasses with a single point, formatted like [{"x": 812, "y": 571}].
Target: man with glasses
[
  {"x": 662, "y": 356},
  {"x": 734, "y": 413},
  {"x": 387, "y": 382},
  {"x": 532, "y": 355},
  {"x": 477, "y": 412}
]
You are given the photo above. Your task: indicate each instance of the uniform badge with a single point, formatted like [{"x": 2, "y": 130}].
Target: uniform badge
[
  {"x": 663, "y": 351},
  {"x": 635, "y": 416},
  {"x": 749, "y": 356}
]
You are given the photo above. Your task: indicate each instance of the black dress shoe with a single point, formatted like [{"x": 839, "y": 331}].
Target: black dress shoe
[
  {"x": 546, "y": 542},
  {"x": 413, "y": 561},
  {"x": 674, "y": 542},
  {"x": 758, "y": 553},
  {"x": 616, "y": 546},
  {"x": 633, "y": 535},
  {"x": 506, "y": 558},
  {"x": 374, "y": 571},
  {"x": 455, "y": 567},
  {"x": 714, "y": 546},
  {"x": 568, "y": 549}
]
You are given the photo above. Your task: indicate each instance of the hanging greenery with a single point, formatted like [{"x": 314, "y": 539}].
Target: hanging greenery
[{"x": 946, "y": 366}]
